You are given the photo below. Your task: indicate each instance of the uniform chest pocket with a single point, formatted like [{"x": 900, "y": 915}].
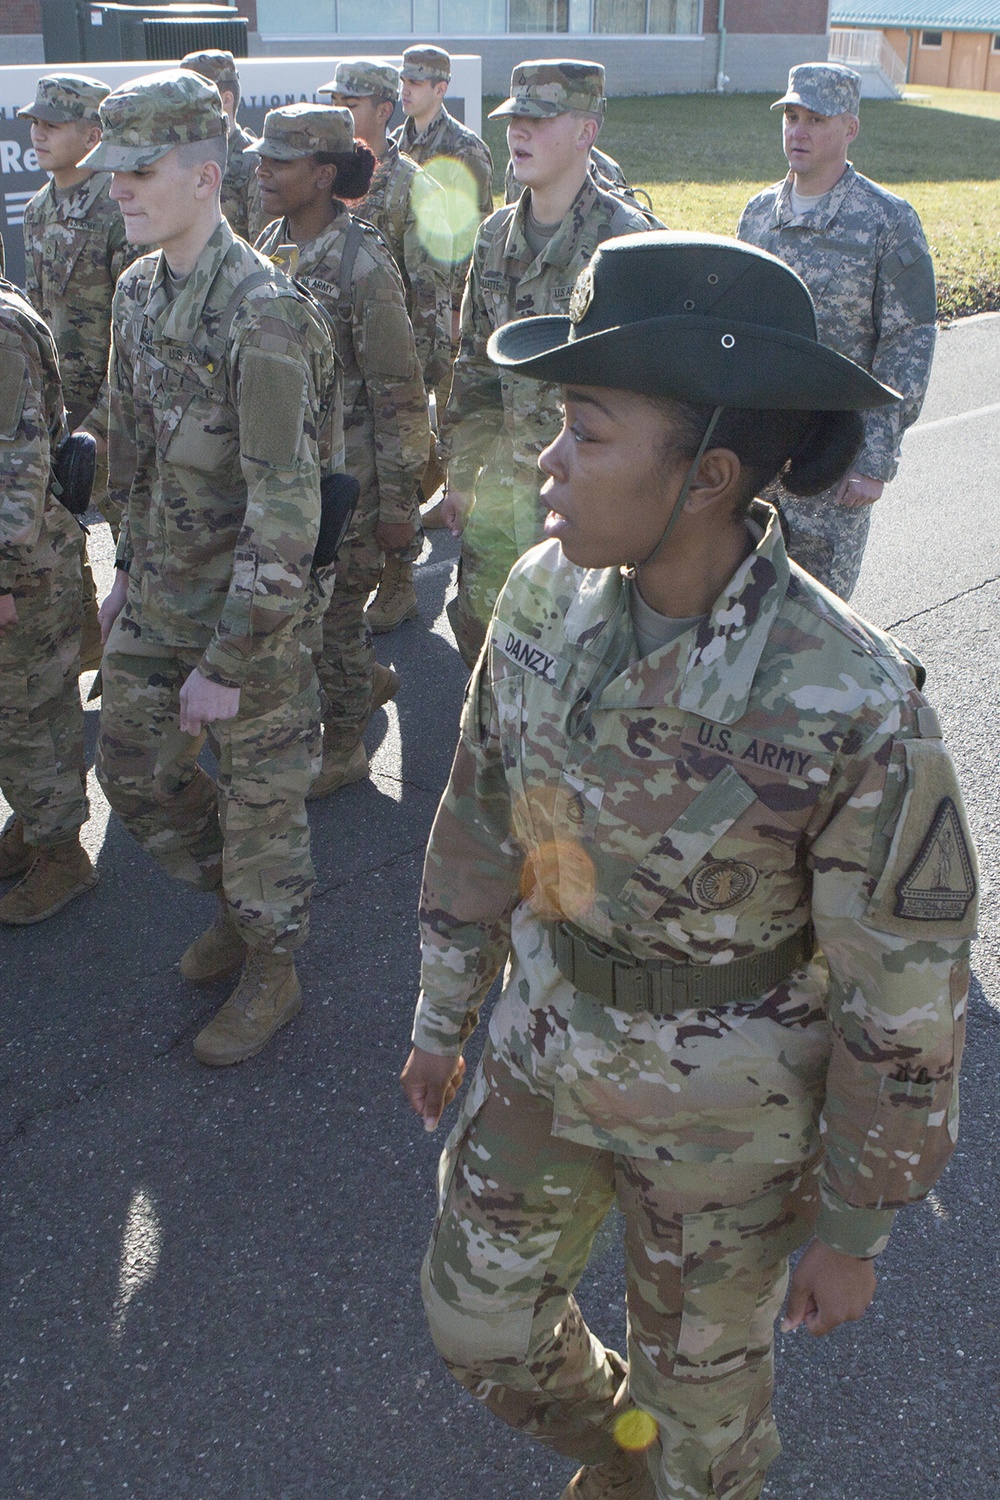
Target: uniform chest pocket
[
  {"x": 63, "y": 248},
  {"x": 680, "y": 849}
]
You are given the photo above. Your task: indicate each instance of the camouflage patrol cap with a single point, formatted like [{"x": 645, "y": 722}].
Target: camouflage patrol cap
[
  {"x": 298, "y": 130},
  {"x": 364, "y": 78},
  {"x": 695, "y": 317},
  {"x": 825, "y": 88},
  {"x": 147, "y": 117},
  {"x": 60, "y": 97},
  {"x": 554, "y": 86},
  {"x": 426, "y": 65},
  {"x": 215, "y": 64}
]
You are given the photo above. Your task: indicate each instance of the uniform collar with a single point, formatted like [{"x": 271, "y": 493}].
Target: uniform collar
[
  {"x": 314, "y": 252},
  {"x": 709, "y": 670},
  {"x": 79, "y": 200},
  {"x": 406, "y": 137},
  {"x": 180, "y": 320},
  {"x": 564, "y": 244},
  {"x": 825, "y": 211}
]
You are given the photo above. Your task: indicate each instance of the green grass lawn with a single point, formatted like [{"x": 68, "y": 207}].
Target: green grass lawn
[{"x": 701, "y": 156}]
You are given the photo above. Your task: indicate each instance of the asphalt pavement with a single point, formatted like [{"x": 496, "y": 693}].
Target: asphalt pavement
[{"x": 208, "y": 1280}]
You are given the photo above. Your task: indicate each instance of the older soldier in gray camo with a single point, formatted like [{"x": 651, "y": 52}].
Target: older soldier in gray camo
[
  {"x": 863, "y": 255},
  {"x": 240, "y": 196},
  {"x": 225, "y": 411},
  {"x": 350, "y": 272},
  {"x": 42, "y": 772},
  {"x": 495, "y": 427}
]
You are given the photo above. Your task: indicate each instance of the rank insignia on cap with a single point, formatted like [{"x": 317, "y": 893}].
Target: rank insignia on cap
[
  {"x": 583, "y": 295},
  {"x": 941, "y": 881}
]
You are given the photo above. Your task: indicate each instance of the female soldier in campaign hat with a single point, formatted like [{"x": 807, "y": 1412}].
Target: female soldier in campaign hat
[{"x": 706, "y": 816}]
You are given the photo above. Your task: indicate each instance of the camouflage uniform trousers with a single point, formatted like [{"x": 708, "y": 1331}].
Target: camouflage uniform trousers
[
  {"x": 706, "y": 1262},
  {"x": 825, "y": 538},
  {"x": 247, "y": 834},
  {"x": 42, "y": 771}
]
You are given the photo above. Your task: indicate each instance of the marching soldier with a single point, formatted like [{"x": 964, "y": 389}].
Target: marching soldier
[
  {"x": 240, "y": 196},
  {"x": 308, "y": 162},
  {"x": 41, "y": 718},
  {"x": 706, "y": 816},
  {"x": 409, "y": 209},
  {"x": 223, "y": 414},
  {"x": 526, "y": 259},
  {"x": 862, "y": 253},
  {"x": 75, "y": 250}
]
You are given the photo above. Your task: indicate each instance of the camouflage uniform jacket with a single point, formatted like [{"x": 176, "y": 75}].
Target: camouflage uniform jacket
[
  {"x": 32, "y": 426},
  {"x": 217, "y": 454},
  {"x": 241, "y": 188},
  {"x": 405, "y": 205},
  {"x": 499, "y": 418},
  {"x": 385, "y": 405},
  {"x": 446, "y": 136},
  {"x": 772, "y": 766},
  {"x": 863, "y": 255},
  {"x": 75, "y": 250}
]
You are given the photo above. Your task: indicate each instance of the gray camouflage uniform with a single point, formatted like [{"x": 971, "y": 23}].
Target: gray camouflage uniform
[
  {"x": 862, "y": 253},
  {"x": 770, "y": 768}
]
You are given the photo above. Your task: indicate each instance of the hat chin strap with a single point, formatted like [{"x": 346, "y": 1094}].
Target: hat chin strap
[{"x": 689, "y": 479}]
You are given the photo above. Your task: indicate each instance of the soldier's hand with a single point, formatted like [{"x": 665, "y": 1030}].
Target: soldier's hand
[
  {"x": 828, "y": 1289},
  {"x": 113, "y": 604},
  {"x": 430, "y": 1083},
  {"x": 857, "y": 490},
  {"x": 393, "y": 536},
  {"x": 8, "y": 611},
  {"x": 204, "y": 702},
  {"x": 456, "y": 506}
]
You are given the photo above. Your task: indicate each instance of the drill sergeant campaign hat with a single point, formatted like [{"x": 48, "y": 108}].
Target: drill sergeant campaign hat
[
  {"x": 61, "y": 97},
  {"x": 298, "y": 130},
  {"x": 215, "y": 64},
  {"x": 825, "y": 88},
  {"x": 426, "y": 65},
  {"x": 147, "y": 117},
  {"x": 696, "y": 317},
  {"x": 554, "y": 86},
  {"x": 364, "y": 78}
]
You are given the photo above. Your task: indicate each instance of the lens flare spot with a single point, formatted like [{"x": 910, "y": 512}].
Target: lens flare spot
[
  {"x": 558, "y": 879},
  {"x": 446, "y": 205},
  {"x": 635, "y": 1430}
]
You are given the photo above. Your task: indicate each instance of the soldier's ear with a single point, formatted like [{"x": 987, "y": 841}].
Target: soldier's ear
[
  {"x": 853, "y": 126},
  {"x": 717, "y": 479},
  {"x": 92, "y": 135}
]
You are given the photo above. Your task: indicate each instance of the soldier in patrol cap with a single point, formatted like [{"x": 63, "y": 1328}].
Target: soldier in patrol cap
[
  {"x": 705, "y": 814},
  {"x": 861, "y": 251},
  {"x": 308, "y": 163},
  {"x": 240, "y": 196},
  {"x": 75, "y": 250},
  {"x": 224, "y": 414},
  {"x": 42, "y": 773},
  {"x": 526, "y": 259},
  {"x": 410, "y": 210}
]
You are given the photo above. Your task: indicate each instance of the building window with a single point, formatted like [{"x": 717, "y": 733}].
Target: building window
[
  {"x": 933, "y": 39},
  {"x": 478, "y": 17},
  {"x": 996, "y": 41}
]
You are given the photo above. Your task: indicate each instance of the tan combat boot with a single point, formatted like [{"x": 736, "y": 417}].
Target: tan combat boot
[
  {"x": 395, "y": 600},
  {"x": 624, "y": 1477},
  {"x": 217, "y": 953},
  {"x": 55, "y": 876},
  {"x": 384, "y": 687},
  {"x": 91, "y": 649},
  {"x": 267, "y": 996},
  {"x": 343, "y": 764},
  {"x": 15, "y": 854}
]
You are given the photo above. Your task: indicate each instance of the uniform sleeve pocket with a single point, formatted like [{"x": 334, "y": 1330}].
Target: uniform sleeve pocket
[
  {"x": 272, "y": 394},
  {"x": 388, "y": 340},
  {"x": 673, "y": 857},
  {"x": 13, "y": 387}
]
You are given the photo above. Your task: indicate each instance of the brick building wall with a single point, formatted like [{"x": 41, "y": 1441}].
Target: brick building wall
[{"x": 22, "y": 17}]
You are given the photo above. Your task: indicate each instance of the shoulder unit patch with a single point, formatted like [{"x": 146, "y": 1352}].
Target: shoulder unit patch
[{"x": 941, "y": 881}]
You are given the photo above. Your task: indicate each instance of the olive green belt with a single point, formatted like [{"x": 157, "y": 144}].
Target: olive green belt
[{"x": 663, "y": 988}]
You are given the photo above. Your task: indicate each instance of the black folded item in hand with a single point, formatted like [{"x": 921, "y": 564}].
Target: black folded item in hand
[
  {"x": 338, "y": 498},
  {"x": 73, "y": 472}
]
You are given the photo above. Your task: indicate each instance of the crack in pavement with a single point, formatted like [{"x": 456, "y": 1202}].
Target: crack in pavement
[
  {"x": 931, "y": 608},
  {"x": 385, "y": 864}
]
